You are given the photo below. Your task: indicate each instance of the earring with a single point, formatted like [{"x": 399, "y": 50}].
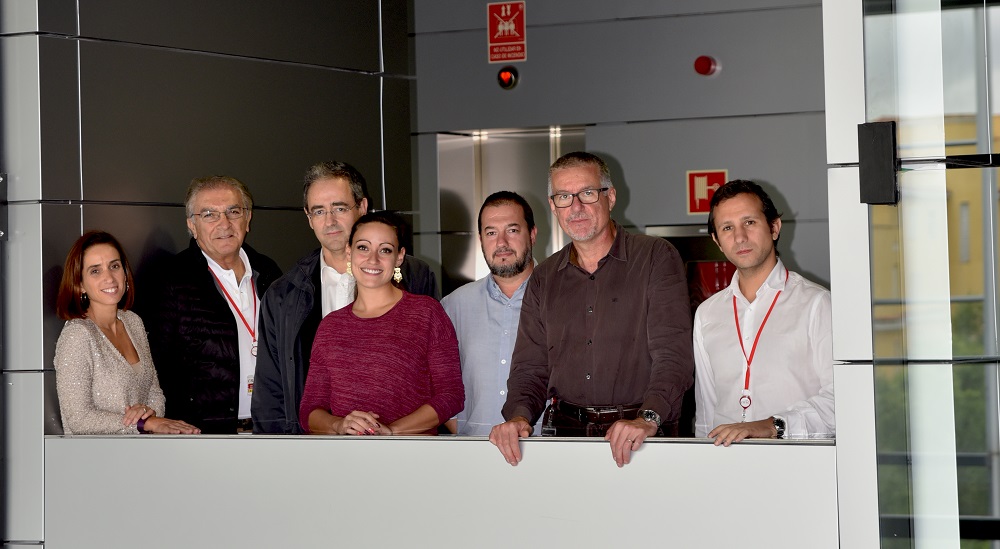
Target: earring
[
  {"x": 397, "y": 275},
  {"x": 84, "y": 301},
  {"x": 349, "y": 269}
]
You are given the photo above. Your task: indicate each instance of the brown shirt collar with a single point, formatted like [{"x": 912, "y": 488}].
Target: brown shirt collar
[{"x": 618, "y": 249}]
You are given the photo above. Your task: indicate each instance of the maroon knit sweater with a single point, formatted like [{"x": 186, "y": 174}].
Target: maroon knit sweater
[{"x": 390, "y": 365}]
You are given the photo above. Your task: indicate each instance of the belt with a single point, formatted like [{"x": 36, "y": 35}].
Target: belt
[{"x": 596, "y": 414}]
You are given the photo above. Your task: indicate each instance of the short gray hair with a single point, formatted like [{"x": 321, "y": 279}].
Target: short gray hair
[
  {"x": 578, "y": 159},
  {"x": 212, "y": 182}
]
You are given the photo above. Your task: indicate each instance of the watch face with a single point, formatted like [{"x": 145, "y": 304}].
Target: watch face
[{"x": 650, "y": 415}]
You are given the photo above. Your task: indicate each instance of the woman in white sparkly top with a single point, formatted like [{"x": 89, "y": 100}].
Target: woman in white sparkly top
[{"x": 104, "y": 373}]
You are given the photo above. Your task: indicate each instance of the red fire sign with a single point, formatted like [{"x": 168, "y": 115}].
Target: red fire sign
[
  {"x": 505, "y": 30},
  {"x": 701, "y": 185}
]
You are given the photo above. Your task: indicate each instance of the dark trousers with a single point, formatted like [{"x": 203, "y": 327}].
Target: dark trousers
[{"x": 565, "y": 419}]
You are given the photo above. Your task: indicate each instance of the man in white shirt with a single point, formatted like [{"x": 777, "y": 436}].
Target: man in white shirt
[
  {"x": 204, "y": 329},
  {"x": 763, "y": 346}
]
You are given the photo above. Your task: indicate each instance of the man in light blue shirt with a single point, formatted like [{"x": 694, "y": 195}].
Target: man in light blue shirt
[{"x": 486, "y": 312}]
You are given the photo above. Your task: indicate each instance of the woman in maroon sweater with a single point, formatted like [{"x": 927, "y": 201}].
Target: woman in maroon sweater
[{"x": 387, "y": 364}]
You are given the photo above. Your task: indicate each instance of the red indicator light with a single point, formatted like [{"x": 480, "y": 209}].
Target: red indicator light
[
  {"x": 507, "y": 78},
  {"x": 705, "y": 65}
]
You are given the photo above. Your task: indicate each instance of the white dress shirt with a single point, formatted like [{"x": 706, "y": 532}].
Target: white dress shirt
[
  {"x": 791, "y": 374},
  {"x": 242, "y": 293},
  {"x": 337, "y": 288}
]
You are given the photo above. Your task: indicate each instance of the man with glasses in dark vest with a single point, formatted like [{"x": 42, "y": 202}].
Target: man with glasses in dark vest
[
  {"x": 605, "y": 329},
  {"x": 203, "y": 330}
]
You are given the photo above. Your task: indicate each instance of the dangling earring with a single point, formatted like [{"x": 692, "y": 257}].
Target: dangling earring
[
  {"x": 349, "y": 269},
  {"x": 84, "y": 301},
  {"x": 397, "y": 275}
]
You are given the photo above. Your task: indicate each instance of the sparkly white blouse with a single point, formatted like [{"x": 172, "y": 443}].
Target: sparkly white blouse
[{"x": 94, "y": 381}]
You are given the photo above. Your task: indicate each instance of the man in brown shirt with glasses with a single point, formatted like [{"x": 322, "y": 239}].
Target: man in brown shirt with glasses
[{"x": 605, "y": 329}]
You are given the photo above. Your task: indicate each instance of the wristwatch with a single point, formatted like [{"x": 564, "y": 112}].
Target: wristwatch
[
  {"x": 650, "y": 415},
  {"x": 779, "y": 426}
]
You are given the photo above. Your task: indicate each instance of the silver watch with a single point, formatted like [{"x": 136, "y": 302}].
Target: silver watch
[
  {"x": 650, "y": 415},
  {"x": 779, "y": 427}
]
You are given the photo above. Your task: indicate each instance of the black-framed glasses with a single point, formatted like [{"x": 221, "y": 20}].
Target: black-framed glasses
[
  {"x": 211, "y": 216},
  {"x": 336, "y": 211},
  {"x": 586, "y": 196}
]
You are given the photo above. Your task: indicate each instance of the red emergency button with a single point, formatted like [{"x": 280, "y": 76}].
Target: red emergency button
[
  {"x": 706, "y": 65},
  {"x": 507, "y": 78}
]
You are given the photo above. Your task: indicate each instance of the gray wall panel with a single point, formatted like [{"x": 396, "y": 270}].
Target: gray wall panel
[
  {"x": 18, "y": 16},
  {"x": 804, "y": 248},
  {"x": 60, "y": 119},
  {"x": 341, "y": 33},
  {"x": 153, "y": 119},
  {"x": 396, "y": 50},
  {"x": 21, "y": 159},
  {"x": 785, "y": 151},
  {"x": 57, "y": 16},
  {"x": 627, "y": 70},
  {"x": 24, "y": 456},
  {"x": 451, "y": 15}
]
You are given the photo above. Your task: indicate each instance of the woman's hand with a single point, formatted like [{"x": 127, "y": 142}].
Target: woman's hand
[
  {"x": 360, "y": 423},
  {"x": 136, "y": 412},
  {"x": 164, "y": 426}
]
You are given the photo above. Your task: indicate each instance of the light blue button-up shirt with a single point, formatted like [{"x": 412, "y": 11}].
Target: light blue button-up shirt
[{"x": 486, "y": 324}]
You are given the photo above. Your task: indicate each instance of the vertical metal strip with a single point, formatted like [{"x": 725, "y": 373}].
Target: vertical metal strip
[
  {"x": 984, "y": 138},
  {"x": 381, "y": 106}
]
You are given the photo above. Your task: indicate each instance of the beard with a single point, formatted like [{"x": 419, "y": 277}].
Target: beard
[{"x": 508, "y": 270}]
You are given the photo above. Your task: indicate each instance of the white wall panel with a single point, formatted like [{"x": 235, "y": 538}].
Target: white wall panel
[
  {"x": 844, "y": 78},
  {"x": 850, "y": 267},
  {"x": 857, "y": 479},
  {"x": 252, "y": 491}
]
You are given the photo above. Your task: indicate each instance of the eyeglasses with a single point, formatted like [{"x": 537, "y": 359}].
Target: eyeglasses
[
  {"x": 211, "y": 216},
  {"x": 336, "y": 211},
  {"x": 586, "y": 196}
]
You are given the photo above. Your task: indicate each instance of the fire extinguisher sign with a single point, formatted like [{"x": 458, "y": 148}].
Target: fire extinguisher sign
[
  {"x": 505, "y": 32},
  {"x": 701, "y": 185}
]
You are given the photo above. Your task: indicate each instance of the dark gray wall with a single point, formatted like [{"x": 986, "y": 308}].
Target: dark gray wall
[{"x": 138, "y": 98}]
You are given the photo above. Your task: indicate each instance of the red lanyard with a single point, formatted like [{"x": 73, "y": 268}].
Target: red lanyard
[
  {"x": 745, "y": 399},
  {"x": 253, "y": 331}
]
